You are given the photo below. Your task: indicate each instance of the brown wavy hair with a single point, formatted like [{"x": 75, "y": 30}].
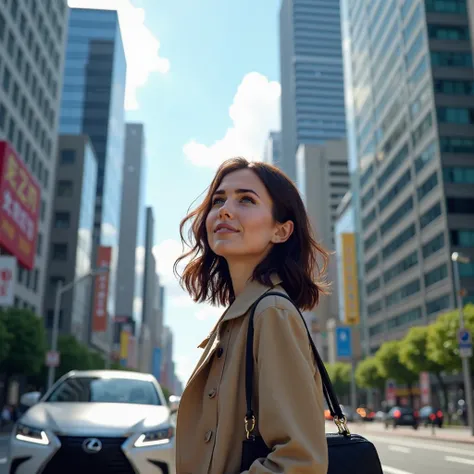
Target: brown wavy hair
[{"x": 300, "y": 261}]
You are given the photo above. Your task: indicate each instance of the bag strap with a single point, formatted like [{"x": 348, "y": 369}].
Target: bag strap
[{"x": 328, "y": 389}]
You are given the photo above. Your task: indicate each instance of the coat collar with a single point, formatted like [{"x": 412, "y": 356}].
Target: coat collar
[{"x": 252, "y": 291}]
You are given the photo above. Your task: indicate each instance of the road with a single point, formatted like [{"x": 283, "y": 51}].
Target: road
[
  {"x": 401, "y": 454},
  {"x": 398, "y": 454}
]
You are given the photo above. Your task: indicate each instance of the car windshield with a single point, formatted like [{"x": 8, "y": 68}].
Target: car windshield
[{"x": 105, "y": 390}]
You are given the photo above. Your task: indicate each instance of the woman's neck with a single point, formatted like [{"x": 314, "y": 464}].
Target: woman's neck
[{"x": 240, "y": 274}]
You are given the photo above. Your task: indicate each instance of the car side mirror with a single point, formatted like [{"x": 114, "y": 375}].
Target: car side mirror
[
  {"x": 174, "y": 403},
  {"x": 30, "y": 398}
]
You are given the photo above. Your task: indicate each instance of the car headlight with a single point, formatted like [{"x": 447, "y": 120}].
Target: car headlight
[
  {"x": 31, "y": 435},
  {"x": 155, "y": 437}
]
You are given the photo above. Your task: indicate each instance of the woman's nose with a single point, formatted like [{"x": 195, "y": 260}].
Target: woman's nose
[{"x": 225, "y": 211}]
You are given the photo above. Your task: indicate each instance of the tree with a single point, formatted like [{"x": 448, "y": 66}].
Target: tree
[
  {"x": 389, "y": 365},
  {"x": 340, "y": 375},
  {"x": 367, "y": 374},
  {"x": 414, "y": 355},
  {"x": 73, "y": 355},
  {"x": 5, "y": 339},
  {"x": 442, "y": 341},
  {"x": 27, "y": 344}
]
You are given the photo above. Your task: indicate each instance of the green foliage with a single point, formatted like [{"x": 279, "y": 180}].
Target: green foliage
[
  {"x": 166, "y": 392},
  {"x": 442, "y": 341},
  {"x": 367, "y": 374},
  {"x": 27, "y": 342},
  {"x": 340, "y": 374},
  {"x": 414, "y": 354},
  {"x": 5, "y": 339},
  {"x": 389, "y": 365},
  {"x": 73, "y": 355}
]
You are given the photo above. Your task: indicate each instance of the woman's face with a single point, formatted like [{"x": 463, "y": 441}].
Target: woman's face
[{"x": 240, "y": 222}]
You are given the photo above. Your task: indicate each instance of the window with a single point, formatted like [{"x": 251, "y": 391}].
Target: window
[
  {"x": 3, "y": 116},
  {"x": 404, "y": 292},
  {"x": 436, "y": 275},
  {"x": 404, "y": 265},
  {"x": 425, "y": 157},
  {"x": 466, "y": 270},
  {"x": 404, "y": 318},
  {"x": 437, "y": 305},
  {"x": 397, "y": 215},
  {"x": 64, "y": 188},
  {"x": 455, "y": 115},
  {"x": 457, "y": 145},
  {"x": 430, "y": 215},
  {"x": 446, "y": 6},
  {"x": 366, "y": 176},
  {"x": 433, "y": 245},
  {"x": 445, "y": 32},
  {"x": 6, "y": 80},
  {"x": 422, "y": 129},
  {"x": 374, "y": 308},
  {"x": 68, "y": 156},
  {"x": 377, "y": 329},
  {"x": 427, "y": 186},
  {"x": 369, "y": 218},
  {"x": 396, "y": 189},
  {"x": 451, "y": 59},
  {"x": 393, "y": 166},
  {"x": 442, "y": 86},
  {"x": 372, "y": 263},
  {"x": 39, "y": 243},
  {"x": 370, "y": 241},
  {"x": 368, "y": 196},
  {"x": 460, "y": 175},
  {"x": 462, "y": 238},
  {"x": 59, "y": 251},
  {"x": 373, "y": 286},
  {"x": 399, "y": 241},
  {"x": 460, "y": 205},
  {"x": 62, "y": 220}
]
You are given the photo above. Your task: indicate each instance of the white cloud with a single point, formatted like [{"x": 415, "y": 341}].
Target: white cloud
[
  {"x": 166, "y": 254},
  {"x": 137, "y": 305},
  {"x": 142, "y": 48},
  {"x": 208, "y": 312},
  {"x": 140, "y": 260},
  {"x": 254, "y": 112}
]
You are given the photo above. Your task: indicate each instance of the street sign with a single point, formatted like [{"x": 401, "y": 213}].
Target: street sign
[
  {"x": 465, "y": 343},
  {"x": 391, "y": 393},
  {"x": 52, "y": 359},
  {"x": 425, "y": 387},
  {"x": 344, "y": 342}
]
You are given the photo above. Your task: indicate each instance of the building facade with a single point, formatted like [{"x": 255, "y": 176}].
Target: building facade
[
  {"x": 132, "y": 227},
  {"x": 272, "y": 150},
  {"x": 413, "y": 104},
  {"x": 93, "y": 104},
  {"x": 311, "y": 74},
  {"x": 32, "y": 41},
  {"x": 323, "y": 180},
  {"x": 72, "y": 226}
]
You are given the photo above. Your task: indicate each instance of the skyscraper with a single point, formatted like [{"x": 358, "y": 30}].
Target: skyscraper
[
  {"x": 132, "y": 226},
  {"x": 412, "y": 97},
  {"x": 272, "y": 150},
  {"x": 32, "y": 41},
  {"x": 312, "y": 85},
  {"x": 93, "y": 104}
]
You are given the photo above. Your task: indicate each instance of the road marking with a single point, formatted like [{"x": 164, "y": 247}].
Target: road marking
[
  {"x": 459, "y": 460},
  {"x": 399, "y": 449},
  {"x": 428, "y": 446},
  {"x": 393, "y": 470}
]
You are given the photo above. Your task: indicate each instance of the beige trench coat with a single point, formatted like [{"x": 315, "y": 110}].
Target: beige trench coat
[{"x": 288, "y": 394}]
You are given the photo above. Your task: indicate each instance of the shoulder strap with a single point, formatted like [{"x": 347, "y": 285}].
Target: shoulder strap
[{"x": 328, "y": 389}]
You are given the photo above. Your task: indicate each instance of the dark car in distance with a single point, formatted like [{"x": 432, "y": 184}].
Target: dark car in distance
[{"x": 402, "y": 416}]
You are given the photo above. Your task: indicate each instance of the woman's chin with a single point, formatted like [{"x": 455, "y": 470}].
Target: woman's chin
[{"x": 226, "y": 249}]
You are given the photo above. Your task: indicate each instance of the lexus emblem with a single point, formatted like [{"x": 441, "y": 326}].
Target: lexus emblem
[{"x": 92, "y": 445}]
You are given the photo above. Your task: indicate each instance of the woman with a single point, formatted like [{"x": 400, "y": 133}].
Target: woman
[{"x": 252, "y": 234}]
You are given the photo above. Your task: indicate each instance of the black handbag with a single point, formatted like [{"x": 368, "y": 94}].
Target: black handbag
[{"x": 347, "y": 452}]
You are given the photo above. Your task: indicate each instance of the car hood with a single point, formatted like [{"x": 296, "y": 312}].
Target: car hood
[{"x": 98, "y": 419}]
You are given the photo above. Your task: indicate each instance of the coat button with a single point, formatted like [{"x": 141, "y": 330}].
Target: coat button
[
  {"x": 220, "y": 351},
  {"x": 208, "y": 436},
  {"x": 212, "y": 393}
]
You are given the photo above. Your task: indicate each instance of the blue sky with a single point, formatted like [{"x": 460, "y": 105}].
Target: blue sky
[{"x": 203, "y": 78}]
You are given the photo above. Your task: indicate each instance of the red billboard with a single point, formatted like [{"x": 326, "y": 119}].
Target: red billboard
[
  {"x": 101, "y": 293},
  {"x": 19, "y": 207}
]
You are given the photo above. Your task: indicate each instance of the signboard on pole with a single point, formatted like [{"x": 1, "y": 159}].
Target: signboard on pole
[
  {"x": 350, "y": 279},
  {"x": 101, "y": 293},
  {"x": 425, "y": 388},
  {"x": 344, "y": 342},
  {"x": 7, "y": 280},
  {"x": 19, "y": 207},
  {"x": 391, "y": 393},
  {"x": 52, "y": 359},
  {"x": 465, "y": 343}
]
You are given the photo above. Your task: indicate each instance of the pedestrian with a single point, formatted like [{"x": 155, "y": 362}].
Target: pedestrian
[{"x": 250, "y": 235}]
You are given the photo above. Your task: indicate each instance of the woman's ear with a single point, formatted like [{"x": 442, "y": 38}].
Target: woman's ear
[{"x": 283, "y": 232}]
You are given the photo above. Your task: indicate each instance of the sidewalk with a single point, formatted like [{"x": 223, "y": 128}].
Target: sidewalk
[{"x": 456, "y": 435}]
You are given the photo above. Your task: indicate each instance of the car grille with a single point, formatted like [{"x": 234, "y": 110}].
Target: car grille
[{"x": 71, "y": 457}]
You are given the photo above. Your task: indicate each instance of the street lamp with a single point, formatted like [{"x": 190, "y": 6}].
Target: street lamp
[
  {"x": 457, "y": 259},
  {"x": 60, "y": 290}
]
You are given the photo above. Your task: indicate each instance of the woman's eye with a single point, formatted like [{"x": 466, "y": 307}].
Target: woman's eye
[
  {"x": 248, "y": 199},
  {"x": 217, "y": 201}
]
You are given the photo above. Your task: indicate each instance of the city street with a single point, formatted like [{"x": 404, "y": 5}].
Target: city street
[{"x": 398, "y": 453}]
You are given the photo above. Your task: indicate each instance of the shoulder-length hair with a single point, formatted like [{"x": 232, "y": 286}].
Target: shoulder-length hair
[{"x": 300, "y": 261}]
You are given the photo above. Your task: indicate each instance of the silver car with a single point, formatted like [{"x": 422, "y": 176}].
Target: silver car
[{"x": 95, "y": 421}]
